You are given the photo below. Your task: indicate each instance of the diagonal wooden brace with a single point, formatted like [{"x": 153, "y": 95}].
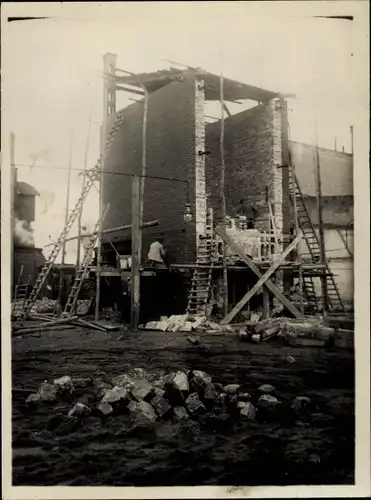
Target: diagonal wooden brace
[{"x": 263, "y": 279}]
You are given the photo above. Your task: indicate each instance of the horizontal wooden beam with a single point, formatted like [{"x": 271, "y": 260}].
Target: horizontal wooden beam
[
  {"x": 239, "y": 251},
  {"x": 150, "y": 223},
  {"x": 127, "y": 89}
]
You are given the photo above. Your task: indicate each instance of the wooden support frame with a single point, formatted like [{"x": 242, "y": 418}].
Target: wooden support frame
[{"x": 263, "y": 279}]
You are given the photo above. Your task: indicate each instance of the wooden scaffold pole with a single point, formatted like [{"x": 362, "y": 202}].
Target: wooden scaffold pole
[
  {"x": 297, "y": 230},
  {"x": 109, "y": 107},
  {"x": 296, "y": 221},
  {"x": 320, "y": 223},
  {"x": 137, "y": 221},
  {"x": 222, "y": 189},
  {"x": 135, "y": 252},
  {"x": 81, "y": 209},
  {"x": 61, "y": 273}
]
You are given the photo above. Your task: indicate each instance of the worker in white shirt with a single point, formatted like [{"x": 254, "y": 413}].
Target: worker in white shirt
[
  {"x": 87, "y": 242},
  {"x": 157, "y": 255}
]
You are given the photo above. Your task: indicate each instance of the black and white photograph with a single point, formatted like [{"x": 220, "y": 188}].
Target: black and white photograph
[{"x": 187, "y": 300}]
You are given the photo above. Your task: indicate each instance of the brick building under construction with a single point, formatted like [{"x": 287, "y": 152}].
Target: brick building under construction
[
  {"x": 183, "y": 161},
  {"x": 181, "y": 146}
]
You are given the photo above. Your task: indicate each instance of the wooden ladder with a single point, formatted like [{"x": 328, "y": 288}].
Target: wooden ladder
[
  {"x": 82, "y": 273},
  {"x": 90, "y": 176},
  {"x": 20, "y": 295},
  {"x": 202, "y": 277},
  {"x": 333, "y": 297}
]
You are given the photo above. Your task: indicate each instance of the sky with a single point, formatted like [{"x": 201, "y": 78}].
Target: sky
[{"x": 53, "y": 76}]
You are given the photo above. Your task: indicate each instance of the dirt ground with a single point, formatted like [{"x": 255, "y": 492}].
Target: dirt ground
[{"x": 316, "y": 449}]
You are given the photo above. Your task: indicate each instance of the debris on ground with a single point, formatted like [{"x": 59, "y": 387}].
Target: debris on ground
[
  {"x": 105, "y": 408},
  {"x": 309, "y": 334},
  {"x": 301, "y": 402},
  {"x": 46, "y": 305},
  {"x": 248, "y": 411},
  {"x": 266, "y": 388},
  {"x": 193, "y": 340},
  {"x": 231, "y": 388},
  {"x": 64, "y": 384},
  {"x": 186, "y": 323},
  {"x": 79, "y": 410},
  {"x": 308, "y": 331},
  {"x": 267, "y": 400}
]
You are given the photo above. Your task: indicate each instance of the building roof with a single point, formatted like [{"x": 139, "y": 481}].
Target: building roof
[
  {"x": 232, "y": 89},
  {"x": 26, "y": 189},
  {"x": 336, "y": 170}
]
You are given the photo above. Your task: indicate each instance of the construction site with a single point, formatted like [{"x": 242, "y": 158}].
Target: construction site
[{"x": 205, "y": 335}]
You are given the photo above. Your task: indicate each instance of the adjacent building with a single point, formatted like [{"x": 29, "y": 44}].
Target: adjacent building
[{"x": 27, "y": 259}]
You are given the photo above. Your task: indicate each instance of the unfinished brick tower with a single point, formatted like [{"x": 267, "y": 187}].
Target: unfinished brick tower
[{"x": 183, "y": 157}]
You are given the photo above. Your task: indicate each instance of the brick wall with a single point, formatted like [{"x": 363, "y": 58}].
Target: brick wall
[
  {"x": 171, "y": 152},
  {"x": 252, "y": 150}
]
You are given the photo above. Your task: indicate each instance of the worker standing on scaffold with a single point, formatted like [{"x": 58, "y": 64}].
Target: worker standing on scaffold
[
  {"x": 87, "y": 243},
  {"x": 157, "y": 255}
]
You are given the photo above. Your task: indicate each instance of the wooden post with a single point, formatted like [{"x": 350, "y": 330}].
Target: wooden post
[
  {"x": 248, "y": 304},
  {"x": 136, "y": 236},
  {"x": 266, "y": 306},
  {"x": 297, "y": 229},
  {"x": 81, "y": 209},
  {"x": 13, "y": 194},
  {"x": 286, "y": 275},
  {"x": 109, "y": 108},
  {"x": 222, "y": 193},
  {"x": 61, "y": 274},
  {"x": 321, "y": 229},
  {"x": 144, "y": 168}
]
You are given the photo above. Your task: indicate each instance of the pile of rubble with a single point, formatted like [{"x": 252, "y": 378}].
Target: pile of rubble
[
  {"x": 307, "y": 332},
  {"x": 45, "y": 305},
  {"x": 146, "y": 397},
  {"x": 185, "y": 323}
]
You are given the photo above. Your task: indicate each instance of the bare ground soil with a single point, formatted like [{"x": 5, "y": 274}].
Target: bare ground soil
[{"x": 315, "y": 449}]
